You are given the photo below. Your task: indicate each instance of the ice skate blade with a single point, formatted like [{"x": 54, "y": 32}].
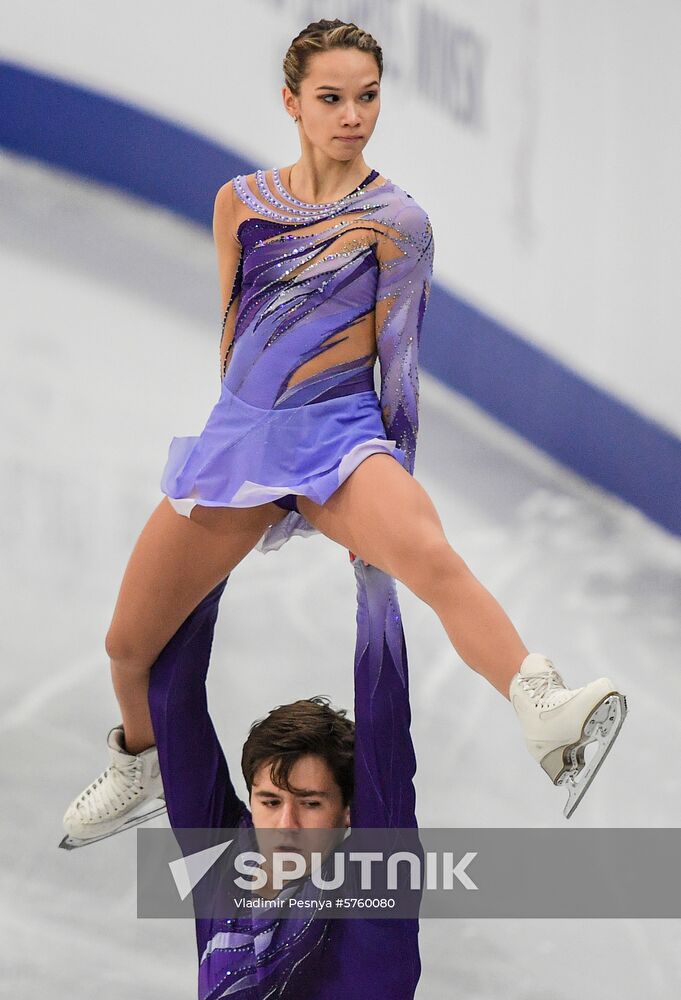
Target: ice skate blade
[
  {"x": 69, "y": 843},
  {"x": 602, "y": 727}
]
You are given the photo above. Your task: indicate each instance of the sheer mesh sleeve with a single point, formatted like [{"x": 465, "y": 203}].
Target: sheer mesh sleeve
[
  {"x": 405, "y": 259},
  {"x": 230, "y": 267}
]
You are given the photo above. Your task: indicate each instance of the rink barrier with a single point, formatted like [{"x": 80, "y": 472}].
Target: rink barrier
[{"x": 608, "y": 442}]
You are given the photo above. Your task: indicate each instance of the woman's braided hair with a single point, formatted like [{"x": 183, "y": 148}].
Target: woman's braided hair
[{"x": 320, "y": 36}]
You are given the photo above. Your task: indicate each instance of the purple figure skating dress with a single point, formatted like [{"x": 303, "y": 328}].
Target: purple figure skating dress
[{"x": 319, "y": 293}]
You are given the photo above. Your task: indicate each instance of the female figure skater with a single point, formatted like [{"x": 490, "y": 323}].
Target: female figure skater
[{"x": 324, "y": 266}]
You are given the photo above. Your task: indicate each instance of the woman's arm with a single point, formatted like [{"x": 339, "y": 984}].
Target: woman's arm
[
  {"x": 230, "y": 259},
  {"x": 405, "y": 259}
]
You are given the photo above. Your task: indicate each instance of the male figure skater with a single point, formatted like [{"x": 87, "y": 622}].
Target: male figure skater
[{"x": 307, "y": 956}]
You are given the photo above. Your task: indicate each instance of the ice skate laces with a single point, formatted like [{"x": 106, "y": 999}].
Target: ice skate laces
[
  {"x": 111, "y": 791},
  {"x": 545, "y": 686}
]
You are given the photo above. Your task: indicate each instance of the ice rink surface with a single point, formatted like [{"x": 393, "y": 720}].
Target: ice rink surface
[{"x": 111, "y": 325}]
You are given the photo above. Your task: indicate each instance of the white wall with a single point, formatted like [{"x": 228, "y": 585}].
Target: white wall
[{"x": 542, "y": 137}]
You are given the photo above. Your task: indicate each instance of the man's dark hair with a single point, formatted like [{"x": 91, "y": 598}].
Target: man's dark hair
[{"x": 290, "y": 731}]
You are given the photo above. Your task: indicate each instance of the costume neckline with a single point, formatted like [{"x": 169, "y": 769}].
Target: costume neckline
[{"x": 276, "y": 177}]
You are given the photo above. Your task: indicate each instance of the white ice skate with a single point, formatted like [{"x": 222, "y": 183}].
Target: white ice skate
[
  {"x": 559, "y": 723},
  {"x": 128, "y": 792}
]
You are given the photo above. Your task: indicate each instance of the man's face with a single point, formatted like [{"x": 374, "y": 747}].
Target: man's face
[
  {"x": 317, "y": 804},
  {"x": 303, "y": 821}
]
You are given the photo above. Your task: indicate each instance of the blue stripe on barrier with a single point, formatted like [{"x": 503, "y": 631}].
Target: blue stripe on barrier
[
  {"x": 580, "y": 424},
  {"x": 111, "y": 142},
  {"x": 576, "y": 422}
]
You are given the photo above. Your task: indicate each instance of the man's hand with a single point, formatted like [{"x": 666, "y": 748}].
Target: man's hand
[{"x": 353, "y": 557}]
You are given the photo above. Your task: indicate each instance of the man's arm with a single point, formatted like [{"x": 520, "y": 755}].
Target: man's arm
[
  {"x": 385, "y": 762},
  {"x": 198, "y": 789}
]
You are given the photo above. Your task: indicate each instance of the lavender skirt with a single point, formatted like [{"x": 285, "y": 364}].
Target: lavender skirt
[{"x": 246, "y": 456}]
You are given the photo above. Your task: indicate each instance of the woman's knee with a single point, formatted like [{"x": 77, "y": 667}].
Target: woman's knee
[{"x": 125, "y": 652}]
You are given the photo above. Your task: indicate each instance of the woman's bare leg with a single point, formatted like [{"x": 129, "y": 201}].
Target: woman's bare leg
[
  {"x": 175, "y": 562},
  {"x": 384, "y": 515}
]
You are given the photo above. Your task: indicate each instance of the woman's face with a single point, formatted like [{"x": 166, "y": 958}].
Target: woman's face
[{"x": 339, "y": 97}]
